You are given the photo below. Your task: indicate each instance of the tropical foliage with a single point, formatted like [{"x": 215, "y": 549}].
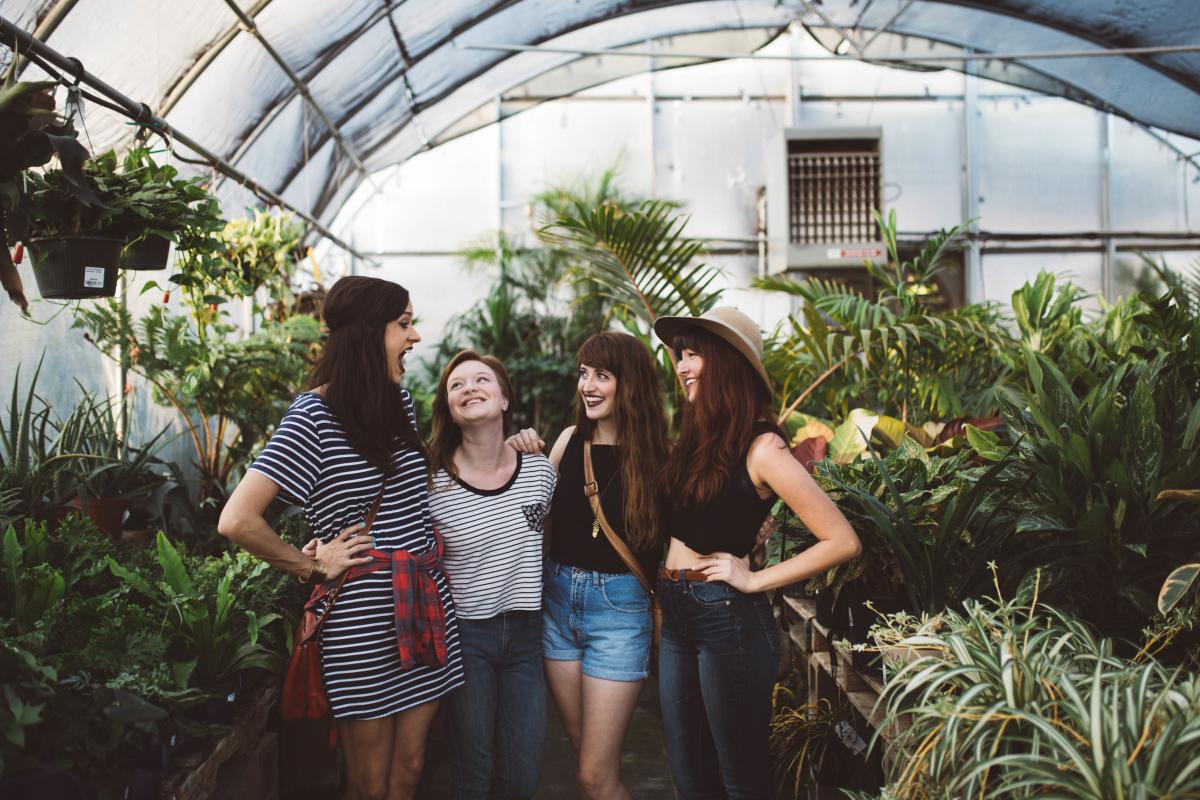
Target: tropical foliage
[
  {"x": 903, "y": 351},
  {"x": 600, "y": 258},
  {"x": 109, "y": 653}
]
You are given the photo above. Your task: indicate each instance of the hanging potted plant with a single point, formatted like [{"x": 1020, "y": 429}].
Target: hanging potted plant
[
  {"x": 64, "y": 229},
  {"x": 32, "y": 133},
  {"x": 154, "y": 206}
]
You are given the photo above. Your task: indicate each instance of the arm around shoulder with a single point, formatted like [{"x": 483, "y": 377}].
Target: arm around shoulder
[{"x": 560, "y": 445}]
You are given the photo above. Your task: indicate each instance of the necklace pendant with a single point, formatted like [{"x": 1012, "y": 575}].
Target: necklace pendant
[{"x": 595, "y": 528}]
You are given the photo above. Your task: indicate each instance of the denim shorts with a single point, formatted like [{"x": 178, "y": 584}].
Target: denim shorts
[{"x": 599, "y": 618}]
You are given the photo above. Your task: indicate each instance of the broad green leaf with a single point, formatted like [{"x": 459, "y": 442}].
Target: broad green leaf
[
  {"x": 850, "y": 438},
  {"x": 1184, "y": 495},
  {"x": 812, "y": 430},
  {"x": 1176, "y": 586},
  {"x": 891, "y": 430},
  {"x": 986, "y": 444},
  {"x": 132, "y": 579},
  {"x": 174, "y": 571},
  {"x": 1033, "y": 521},
  {"x": 910, "y": 449},
  {"x": 1146, "y": 447}
]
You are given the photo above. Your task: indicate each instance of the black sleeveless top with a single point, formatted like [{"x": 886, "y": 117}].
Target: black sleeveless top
[
  {"x": 571, "y": 517},
  {"x": 731, "y": 520}
]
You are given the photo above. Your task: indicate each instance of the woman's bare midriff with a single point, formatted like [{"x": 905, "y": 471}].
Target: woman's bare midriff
[{"x": 680, "y": 556}]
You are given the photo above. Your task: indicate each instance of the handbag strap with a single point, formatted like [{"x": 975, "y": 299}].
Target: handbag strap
[
  {"x": 368, "y": 521},
  {"x": 592, "y": 490}
]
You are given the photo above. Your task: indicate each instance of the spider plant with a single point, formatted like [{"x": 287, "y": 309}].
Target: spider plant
[{"x": 1028, "y": 702}]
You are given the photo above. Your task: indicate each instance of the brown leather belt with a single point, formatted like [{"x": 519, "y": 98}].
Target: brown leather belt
[{"x": 679, "y": 574}]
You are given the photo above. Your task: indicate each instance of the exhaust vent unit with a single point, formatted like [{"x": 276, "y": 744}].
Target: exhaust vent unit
[{"x": 822, "y": 184}]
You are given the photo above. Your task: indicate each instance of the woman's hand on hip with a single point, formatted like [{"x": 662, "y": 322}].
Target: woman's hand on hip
[
  {"x": 527, "y": 441},
  {"x": 722, "y": 566},
  {"x": 349, "y": 548}
]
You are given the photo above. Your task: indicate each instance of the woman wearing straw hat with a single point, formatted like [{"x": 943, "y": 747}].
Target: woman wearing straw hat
[{"x": 718, "y": 655}]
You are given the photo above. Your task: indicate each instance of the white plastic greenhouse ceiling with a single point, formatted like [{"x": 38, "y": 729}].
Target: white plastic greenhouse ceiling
[{"x": 1065, "y": 132}]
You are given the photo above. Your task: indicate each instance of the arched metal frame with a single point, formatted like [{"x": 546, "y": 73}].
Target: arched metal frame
[{"x": 386, "y": 78}]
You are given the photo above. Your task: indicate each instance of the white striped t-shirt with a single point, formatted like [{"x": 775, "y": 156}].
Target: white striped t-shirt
[{"x": 493, "y": 538}]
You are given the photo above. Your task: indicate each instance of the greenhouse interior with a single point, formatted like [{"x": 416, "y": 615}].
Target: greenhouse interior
[{"x": 928, "y": 528}]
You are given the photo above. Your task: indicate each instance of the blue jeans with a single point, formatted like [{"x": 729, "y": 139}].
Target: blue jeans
[
  {"x": 600, "y": 619},
  {"x": 499, "y": 716},
  {"x": 716, "y": 671}
]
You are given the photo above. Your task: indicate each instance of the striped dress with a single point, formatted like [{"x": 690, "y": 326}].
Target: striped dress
[{"x": 314, "y": 466}]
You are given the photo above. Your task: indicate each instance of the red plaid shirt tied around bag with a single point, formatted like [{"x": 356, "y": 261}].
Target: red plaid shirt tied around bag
[{"x": 420, "y": 618}]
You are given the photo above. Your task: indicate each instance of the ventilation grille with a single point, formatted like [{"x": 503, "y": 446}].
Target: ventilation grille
[{"x": 831, "y": 194}]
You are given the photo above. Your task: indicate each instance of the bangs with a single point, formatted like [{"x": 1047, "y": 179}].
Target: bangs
[
  {"x": 688, "y": 339},
  {"x": 598, "y": 352}
]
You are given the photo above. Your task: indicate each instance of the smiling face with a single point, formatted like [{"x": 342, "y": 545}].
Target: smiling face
[
  {"x": 399, "y": 337},
  {"x": 598, "y": 390},
  {"x": 690, "y": 365},
  {"x": 473, "y": 394}
]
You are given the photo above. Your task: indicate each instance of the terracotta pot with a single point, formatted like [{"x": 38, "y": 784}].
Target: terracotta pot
[{"x": 107, "y": 513}]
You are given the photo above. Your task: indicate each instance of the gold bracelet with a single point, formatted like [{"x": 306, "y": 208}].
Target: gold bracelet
[{"x": 311, "y": 569}]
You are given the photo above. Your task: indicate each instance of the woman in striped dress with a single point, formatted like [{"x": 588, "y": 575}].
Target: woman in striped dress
[
  {"x": 489, "y": 503},
  {"x": 349, "y": 440}
]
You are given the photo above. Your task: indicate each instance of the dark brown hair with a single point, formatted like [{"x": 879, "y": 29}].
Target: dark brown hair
[
  {"x": 447, "y": 436},
  {"x": 641, "y": 425},
  {"x": 717, "y": 426},
  {"x": 353, "y": 368}
]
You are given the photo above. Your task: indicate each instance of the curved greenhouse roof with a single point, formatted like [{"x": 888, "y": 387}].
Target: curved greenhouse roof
[{"x": 309, "y": 98}]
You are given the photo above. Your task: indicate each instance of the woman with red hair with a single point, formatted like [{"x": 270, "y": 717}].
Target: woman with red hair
[{"x": 719, "y": 648}]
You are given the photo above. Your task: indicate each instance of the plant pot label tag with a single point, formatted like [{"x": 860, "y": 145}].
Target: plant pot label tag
[{"x": 93, "y": 277}]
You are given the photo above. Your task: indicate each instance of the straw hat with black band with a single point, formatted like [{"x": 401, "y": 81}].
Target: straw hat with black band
[{"x": 728, "y": 323}]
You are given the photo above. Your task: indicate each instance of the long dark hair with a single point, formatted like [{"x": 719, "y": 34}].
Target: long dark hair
[
  {"x": 641, "y": 425},
  {"x": 446, "y": 435},
  {"x": 717, "y": 426},
  {"x": 353, "y": 368}
]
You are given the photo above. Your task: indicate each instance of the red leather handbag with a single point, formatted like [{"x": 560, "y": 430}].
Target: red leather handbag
[{"x": 303, "y": 695}]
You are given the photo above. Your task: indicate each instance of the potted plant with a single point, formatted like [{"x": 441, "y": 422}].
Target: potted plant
[
  {"x": 32, "y": 133},
  {"x": 152, "y": 205},
  {"x": 64, "y": 229},
  {"x": 108, "y": 472}
]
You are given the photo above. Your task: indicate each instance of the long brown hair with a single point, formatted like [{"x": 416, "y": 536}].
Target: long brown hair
[
  {"x": 641, "y": 425},
  {"x": 446, "y": 435},
  {"x": 353, "y": 368},
  {"x": 717, "y": 425}
]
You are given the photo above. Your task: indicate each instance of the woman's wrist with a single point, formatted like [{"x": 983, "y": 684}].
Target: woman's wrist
[{"x": 316, "y": 572}]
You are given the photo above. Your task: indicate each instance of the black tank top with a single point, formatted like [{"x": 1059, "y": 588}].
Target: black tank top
[
  {"x": 571, "y": 540},
  {"x": 731, "y": 520}
]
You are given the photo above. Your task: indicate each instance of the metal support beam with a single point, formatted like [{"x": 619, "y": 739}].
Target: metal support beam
[
  {"x": 300, "y": 85},
  {"x": 651, "y": 110},
  {"x": 891, "y": 21},
  {"x": 960, "y": 58},
  {"x": 1109, "y": 256},
  {"x": 137, "y": 110},
  {"x": 973, "y": 272}
]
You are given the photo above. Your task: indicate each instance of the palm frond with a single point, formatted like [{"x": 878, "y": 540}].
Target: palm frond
[{"x": 639, "y": 260}]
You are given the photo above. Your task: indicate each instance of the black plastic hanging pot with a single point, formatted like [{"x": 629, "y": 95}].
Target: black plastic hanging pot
[
  {"x": 148, "y": 253},
  {"x": 75, "y": 267}
]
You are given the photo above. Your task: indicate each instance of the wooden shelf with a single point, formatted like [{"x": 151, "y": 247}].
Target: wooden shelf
[{"x": 825, "y": 682}]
